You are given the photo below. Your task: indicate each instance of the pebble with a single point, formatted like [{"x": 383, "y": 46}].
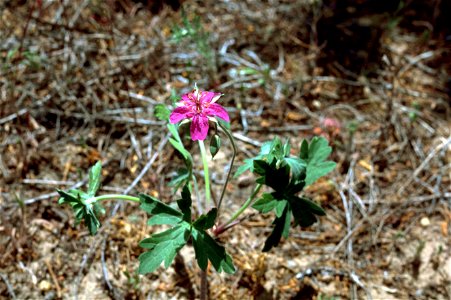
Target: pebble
[{"x": 425, "y": 222}]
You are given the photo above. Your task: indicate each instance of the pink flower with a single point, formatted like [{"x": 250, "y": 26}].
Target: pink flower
[{"x": 199, "y": 107}]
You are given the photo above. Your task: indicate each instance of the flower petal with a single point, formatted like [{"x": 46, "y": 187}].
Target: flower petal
[
  {"x": 207, "y": 97},
  {"x": 217, "y": 110},
  {"x": 187, "y": 98},
  {"x": 180, "y": 113},
  {"x": 199, "y": 128}
]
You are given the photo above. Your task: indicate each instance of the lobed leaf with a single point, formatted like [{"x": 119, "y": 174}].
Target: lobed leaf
[
  {"x": 206, "y": 221},
  {"x": 281, "y": 228},
  {"x": 315, "y": 156},
  {"x": 161, "y": 112},
  {"x": 154, "y": 206},
  {"x": 162, "y": 247},
  {"x": 206, "y": 249}
]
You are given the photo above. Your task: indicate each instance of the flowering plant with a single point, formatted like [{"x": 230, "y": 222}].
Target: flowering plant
[
  {"x": 199, "y": 107},
  {"x": 282, "y": 175}
]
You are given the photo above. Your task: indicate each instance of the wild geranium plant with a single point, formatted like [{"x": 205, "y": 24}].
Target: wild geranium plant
[{"x": 282, "y": 175}]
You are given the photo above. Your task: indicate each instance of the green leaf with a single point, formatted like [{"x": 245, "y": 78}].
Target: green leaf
[
  {"x": 91, "y": 220},
  {"x": 276, "y": 177},
  {"x": 215, "y": 145},
  {"x": 312, "y": 206},
  {"x": 162, "y": 247},
  {"x": 163, "y": 219},
  {"x": 173, "y": 130},
  {"x": 280, "y": 207},
  {"x": 155, "y": 207},
  {"x": 298, "y": 168},
  {"x": 94, "y": 179},
  {"x": 303, "y": 154},
  {"x": 315, "y": 156},
  {"x": 180, "y": 148},
  {"x": 249, "y": 162},
  {"x": 185, "y": 204},
  {"x": 281, "y": 228},
  {"x": 82, "y": 210},
  {"x": 67, "y": 197},
  {"x": 162, "y": 112},
  {"x": 206, "y": 249},
  {"x": 206, "y": 221},
  {"x": 304, "y": 211},
  {"x": 265, "y": 204},
  {"x": 182, "y": 177},
  {"x": 248, "y": 165}
]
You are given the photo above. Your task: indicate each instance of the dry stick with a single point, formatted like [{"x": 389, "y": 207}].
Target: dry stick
[
  {"x": 104, "y": 269},
  {"x": 8, "y": 286},
  {"x": 424, "y": 164},
  {"x": 55, "y": 280}
]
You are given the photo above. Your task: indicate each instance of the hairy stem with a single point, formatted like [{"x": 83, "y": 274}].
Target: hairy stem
[
  {"x": 203, "y": 154},
  {"x": 111, "y": 197}
]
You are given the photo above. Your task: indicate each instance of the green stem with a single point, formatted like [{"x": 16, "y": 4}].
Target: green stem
[
  {"x": 244, "y": 206},
  {"x": 111, "y": 197},
  {"x": 203, "y": 154},
  {"x": 229, "y": 135}
]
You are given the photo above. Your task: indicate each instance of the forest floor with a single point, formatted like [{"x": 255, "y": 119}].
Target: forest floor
[{"x": 79, "y": 81}]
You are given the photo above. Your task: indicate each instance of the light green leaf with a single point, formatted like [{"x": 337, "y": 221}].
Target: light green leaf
[
  {"x": 315, "y": 155},
  {"x": 161, "y": 112},
  {"x": 280, "y": 207},
  {"x": 163, "y": 247},
  {"x": 94, "y": 179},
  {"x": 265, "y": 204}
]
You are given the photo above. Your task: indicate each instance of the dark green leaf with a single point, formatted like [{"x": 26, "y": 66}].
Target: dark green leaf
[
  {"x": 206, "y": 221},
  {"x": 276, "y": 177},
  {"x": 161, "y": 112},
  {"x": 312, "y": 206},
  {"x": 155, "y": 207},
  {"x": 94, "y": 179},
  {"x": 206, "y": 249},
  {"x": 67, "y": 197},
  {"x": 304, "y": 150},
  {"x": 304, "y": 211},
  {"x": 281, "y": 228},
  {"x": 185, "y": 204}
]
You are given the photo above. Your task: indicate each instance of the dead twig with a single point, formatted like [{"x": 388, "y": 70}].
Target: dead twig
[
  {"x": 423, "y": 165},
  {"x": 55, "y": 280}
]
